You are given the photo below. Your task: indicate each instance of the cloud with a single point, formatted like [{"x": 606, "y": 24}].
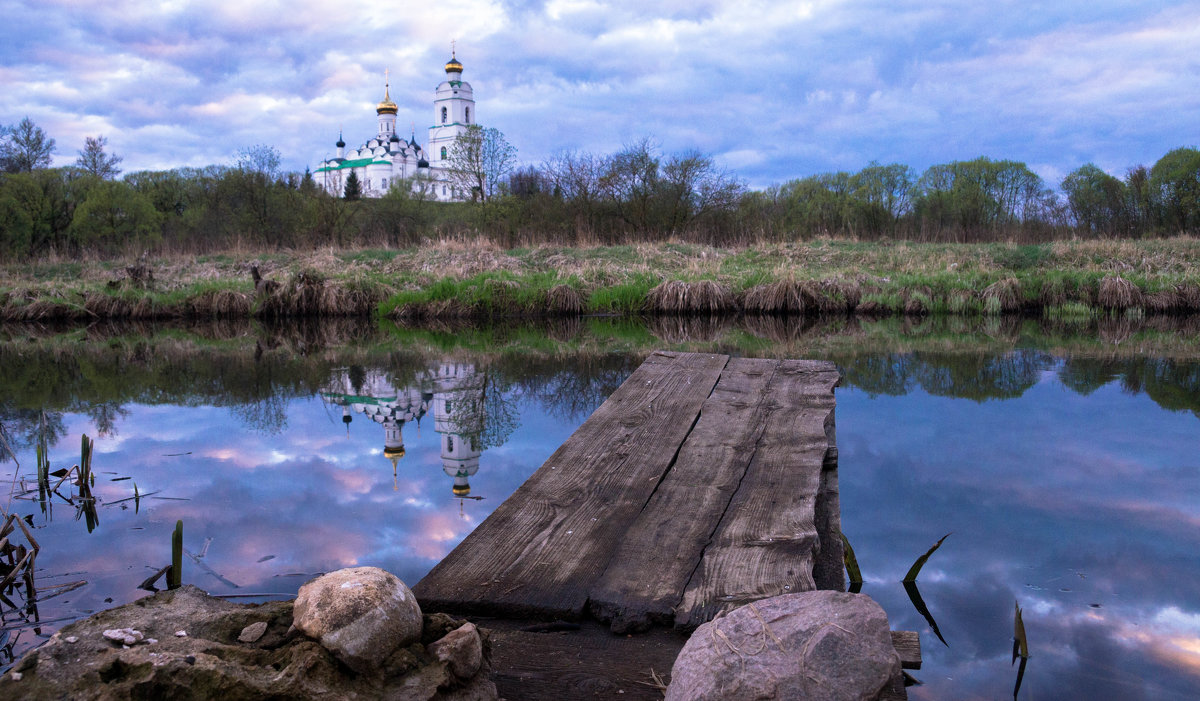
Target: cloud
[{"x": 775, "y": 90}]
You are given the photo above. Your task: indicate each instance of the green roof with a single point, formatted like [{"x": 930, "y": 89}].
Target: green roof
[{"x": 356, "y": 163}]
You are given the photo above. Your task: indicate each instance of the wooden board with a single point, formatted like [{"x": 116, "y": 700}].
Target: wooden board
[
  {"x": 767, "y": 540},
  {"x": 646, "y": 577},
  {"x": 584, "y": 664},
  {"x": 541, "y": 551}
]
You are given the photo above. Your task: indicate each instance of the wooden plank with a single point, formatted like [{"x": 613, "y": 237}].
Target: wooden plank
[
  {"x": 586, "y": 663},
  {"x": 908, "y": 646},
  {"x": 766, "y": 542},
  {"x": 646, "y": 576},
  {"x": 541, "y": 551},
  {"x": 829, "y": 569}
]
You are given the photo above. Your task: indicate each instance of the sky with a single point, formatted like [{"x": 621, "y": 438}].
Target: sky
[{"x": 771, "y": 90}]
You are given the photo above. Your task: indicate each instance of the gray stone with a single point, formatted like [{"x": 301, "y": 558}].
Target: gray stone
[
  {"x": 125, "y": 636},
  {"x": 360, "y": 614},
  {"x": 253, "y": 632},
  {"x": 812, "y": 645},
  {"x": 461, "y": 649}
]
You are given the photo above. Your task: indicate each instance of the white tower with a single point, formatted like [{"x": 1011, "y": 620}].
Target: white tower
[
  {"x": 453, "y": 112},
  {"x": 457, "y": 413}
]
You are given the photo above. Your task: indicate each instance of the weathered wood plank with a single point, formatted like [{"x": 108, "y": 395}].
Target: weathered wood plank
[
  {"x": 766, "y": 542},
  {"x": 646, "y": 576},
  {"x": 908, "y": 646},
  {"x": 829, "y": 569},
  {"x": 541, "y": 551},
  {"x": 586, "y": 663}
]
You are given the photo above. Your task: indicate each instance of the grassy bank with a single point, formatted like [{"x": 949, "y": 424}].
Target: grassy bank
[{"x": 471, "y": 279}]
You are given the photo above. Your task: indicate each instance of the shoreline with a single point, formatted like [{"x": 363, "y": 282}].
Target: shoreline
[{"x": 475, "y": 280}]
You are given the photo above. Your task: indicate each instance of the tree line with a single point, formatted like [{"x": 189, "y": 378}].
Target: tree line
[{"x": 634, "y": 194}]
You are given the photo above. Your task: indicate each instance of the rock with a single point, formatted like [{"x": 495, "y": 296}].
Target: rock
[
  {"x": 360, "y": 614},
  {"x": 461, "y": 650},
  {"x": 16, "y": 676},
  {"x": 820, "y": 645},
  {"x": 181, "y": 634},
  {"x": 210, "y": 662},
  {"x": 71, "y": 639},
  {"x": 125, "y": 636},
  {"x": 253, "y": 632}
]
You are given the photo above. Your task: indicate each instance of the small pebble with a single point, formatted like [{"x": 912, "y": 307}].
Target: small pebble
[
  {"x": 71, "y": 639},
  {"x": 190, "y": 659},
  {"x": 151, "y": 641},
  {"x": 16, "y": 676},
  {"x": 181, "y": 634}
]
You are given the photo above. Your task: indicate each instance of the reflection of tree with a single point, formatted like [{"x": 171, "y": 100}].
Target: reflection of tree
[
  {"x": 1171, "y": 384},
  {"x": 22, "y": 426},
  {"x": 104, "y": 416},
  {"x": 568, "y": 393},
  {"x": 977, "y": 376},
  {"x": 1086, "y": 375},
  {"x": 876, "y": 374},
  {"x": 269, "y": 415}
]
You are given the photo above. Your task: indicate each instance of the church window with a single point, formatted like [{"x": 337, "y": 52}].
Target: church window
[
  {"x": 449, "y": 444},
  {"x": 449, "y": 406},
  {"x": 384, "y": 185},
  {"x": 443, "y": 153},
  {"x": 443, "y": 115},
  {"x": 468, "y": 118}
]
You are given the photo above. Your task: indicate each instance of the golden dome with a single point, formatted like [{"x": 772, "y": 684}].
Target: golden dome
[
  {"x": 393, "y": 452},
  {"x": 453, "y": 66},
  {"x": 386, "y": 106},
  {"x": 461, "y": 490}
]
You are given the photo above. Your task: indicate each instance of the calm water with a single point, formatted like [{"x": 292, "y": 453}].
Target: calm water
[{"x": 1070, "y": 482}]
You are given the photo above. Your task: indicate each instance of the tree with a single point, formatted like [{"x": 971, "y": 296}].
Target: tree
[
  {"x": 260, "y": 158},
  {"x": 24, "y": 147},
  {"x": 92, "y": 159},
  {"x": 1097, "y": 200},
  {"x": 115, "y": 216},
  {"x": 1175, "y": 187},
  {"x": 353, "y": 189},
  {"x": 480, "y": 159}
]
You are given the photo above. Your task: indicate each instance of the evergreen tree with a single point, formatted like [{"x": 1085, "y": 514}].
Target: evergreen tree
[
  {"x": 94, "y": 160},
  {"x": 353, "y": 187}
]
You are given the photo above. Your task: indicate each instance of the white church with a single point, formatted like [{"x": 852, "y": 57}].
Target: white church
[{"x": 386, "y": 160}]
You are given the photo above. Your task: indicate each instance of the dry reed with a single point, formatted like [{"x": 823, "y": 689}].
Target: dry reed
[
  {"x": 1118, "y": 293},
  {"x": 680, "y": 297}
]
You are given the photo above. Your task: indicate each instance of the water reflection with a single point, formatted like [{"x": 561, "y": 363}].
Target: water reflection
[
  {"x": 455, "y": 391},
  {"x": 1066, "y": 466}
]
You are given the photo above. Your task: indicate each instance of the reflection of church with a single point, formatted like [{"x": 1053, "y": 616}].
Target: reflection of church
[{"x": 455, "y": 394}]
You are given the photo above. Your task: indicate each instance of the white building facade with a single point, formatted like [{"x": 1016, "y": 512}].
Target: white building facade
[{"x": 387, "y": 161}]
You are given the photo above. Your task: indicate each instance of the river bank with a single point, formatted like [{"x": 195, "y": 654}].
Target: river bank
[{"x": 456, "y": 279}]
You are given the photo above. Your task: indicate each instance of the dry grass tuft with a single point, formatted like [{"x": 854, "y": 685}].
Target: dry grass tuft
[
  {"x": 563, "y": 299},
  {"x": 1006, "y": 292},
  {"x": 679, "y": 297},
  {"x": 780, "y": 296},
  {"x": 1118, "y": 293}
]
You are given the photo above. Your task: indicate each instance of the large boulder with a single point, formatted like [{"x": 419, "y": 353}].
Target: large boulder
[
  {"x": 360, "y": 614},
  {"x": 812, "y": 645}
]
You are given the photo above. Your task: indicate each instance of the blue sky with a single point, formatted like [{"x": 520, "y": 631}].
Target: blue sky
[{"x": 772, "y": 90}]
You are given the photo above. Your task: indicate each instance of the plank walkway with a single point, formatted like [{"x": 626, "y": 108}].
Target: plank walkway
[
  {"x": 703, "y": 483},
  {"x": 698, "y": 486}
]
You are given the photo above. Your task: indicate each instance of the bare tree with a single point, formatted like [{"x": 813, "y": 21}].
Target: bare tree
[
  {"x": 94, "y": 160},
  {"x": 24, "y": 147},
  {"x": 480, "y": 159}
]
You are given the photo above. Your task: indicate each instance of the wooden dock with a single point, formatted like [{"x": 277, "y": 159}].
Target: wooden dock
[{"x": 703, "y": 483}]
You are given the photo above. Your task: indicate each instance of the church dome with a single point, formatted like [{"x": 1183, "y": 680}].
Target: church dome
[
  {"x": 340, "y": 143},
  {"x": 461, "y": 490},
  {"x": 393, "y": 452},
  {"x": 386, "y": 106},
  {"x": 453, "y": 66},
  {"x": 395, "y": 139}
]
